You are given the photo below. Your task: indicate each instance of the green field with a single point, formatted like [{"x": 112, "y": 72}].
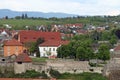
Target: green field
[{"x": 21, "y": 23}]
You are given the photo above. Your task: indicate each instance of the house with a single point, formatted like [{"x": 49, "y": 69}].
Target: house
[
  {"x": 12, "y": 47},
  {"x": 17, "y": 46},
  {"x": 52, "y": 40},
  {"x": 49, "y": 48}
]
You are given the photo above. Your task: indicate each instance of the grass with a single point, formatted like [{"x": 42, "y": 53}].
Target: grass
[
  {"x": 83, "y": 76},
  {"x": 39, "y": 59}
]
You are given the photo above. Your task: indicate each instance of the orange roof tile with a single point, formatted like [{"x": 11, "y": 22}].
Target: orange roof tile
[
  {"x": 23, "y": 58},
  {"x": 12, "y": 42},
  {"x": 21, "y": 79},
  {"x": 51, "y": 43},
  {"x": 65, "y": 42},
  {"x": 54, "y": 43},
  {"x": 27, "y": 36}
]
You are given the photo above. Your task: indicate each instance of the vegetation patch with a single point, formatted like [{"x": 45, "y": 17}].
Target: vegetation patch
[
  {"x": 39, "y": 59},
  {"x": 83, "y": 76}
]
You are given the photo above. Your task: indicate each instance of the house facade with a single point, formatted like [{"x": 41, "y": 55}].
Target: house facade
[
  {"x": 49, "y": 48},
  {"x": 12, "y": 47}
]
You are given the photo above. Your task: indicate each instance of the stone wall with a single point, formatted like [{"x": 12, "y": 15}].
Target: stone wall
[
  {"x": 69, "y": 66},
  {"x": 113, "y": 64},
  {"x": 5, "y": 66},
  {"x": 22, "y": 67}
]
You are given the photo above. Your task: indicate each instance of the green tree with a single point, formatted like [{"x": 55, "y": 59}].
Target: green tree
[
  {"x": 95, "y": 35},
  {"x": 113, "y": 39},
  {"x": 18, "y": 17},
  {"x": 29, "y": 46},
  {"x": 103, "y": 52},
  {"x": 72, "y": 47},
  {"x": 80, "y": 53},
  {"x": 32, "y": 47},
  {"x": 105, "y": 35},
  {"x": 26, "y": 16},
  {"x": 23, "y": 16},
  {"x": 63, "y": 51},
  {"x": 38, "y": 42}
]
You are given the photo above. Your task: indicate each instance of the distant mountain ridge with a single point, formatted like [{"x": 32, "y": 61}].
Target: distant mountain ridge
[{"x": 12, "y": 14}]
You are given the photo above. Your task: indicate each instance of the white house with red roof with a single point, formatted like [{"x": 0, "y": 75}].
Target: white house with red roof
[
  {"x": 52, "y": 40},
  {"x": 49, "y": 48}
]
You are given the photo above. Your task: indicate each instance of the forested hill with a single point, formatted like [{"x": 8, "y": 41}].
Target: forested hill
[{"x": 12, "y": 14}]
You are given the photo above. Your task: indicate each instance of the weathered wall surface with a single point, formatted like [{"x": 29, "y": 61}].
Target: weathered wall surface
[
  {"x": 62, "y": 66},
  {"x": 69, "y": 66}
]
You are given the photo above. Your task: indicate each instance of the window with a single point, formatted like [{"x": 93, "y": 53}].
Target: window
[
  {"x": 19, "y": 62},
  {"x": 53, "y": 49},
  {"x": 8, "y": 48},
  {"x": 49, "y": 49},
  {"x": 16, "y": 48},
  {"x": 8, "y": 51},
  {"x": 43, "y": 49},
  {"x": 52, "y": 38},
  {"x": 34, "y": 37}
]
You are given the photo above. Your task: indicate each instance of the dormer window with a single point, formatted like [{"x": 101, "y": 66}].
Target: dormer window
[
  {"x": 52, "y": 38},
  {"x": 34, "y": 37},
  {"x": 25, "y": 37}
]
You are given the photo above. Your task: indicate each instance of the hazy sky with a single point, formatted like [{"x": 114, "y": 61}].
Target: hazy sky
[{"x": 80, "y": 7}]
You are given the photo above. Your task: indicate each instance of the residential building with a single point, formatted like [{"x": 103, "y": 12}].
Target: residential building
[
  {"x": 49, "y": 48},
  {"x": 12, "y": 47},
  {"x": 18, "y": 46}
]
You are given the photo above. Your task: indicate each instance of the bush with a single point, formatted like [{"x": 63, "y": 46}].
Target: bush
[
  {"x": 54, "y": 73},
  {"x": 93, "y": 64},
  {"x": 31, "y": 74},
  {"x": 43, "y": 75}
]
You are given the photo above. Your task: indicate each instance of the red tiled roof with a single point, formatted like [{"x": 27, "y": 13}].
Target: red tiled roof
[
  {"x": 51, "y": 43},
  {"x": 23, "y": 57},
  {"x": 21, "y": 79},
  {"x": 65, "y": 42},
  {"x": 12, "y": 42},
  {"x": 27, "y": 36},
  {"x": 54, "y": 43},
  {"x": 117, "y": 48}
]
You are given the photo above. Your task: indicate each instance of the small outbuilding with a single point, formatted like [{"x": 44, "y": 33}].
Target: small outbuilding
[{"x": 22, "y": 63}]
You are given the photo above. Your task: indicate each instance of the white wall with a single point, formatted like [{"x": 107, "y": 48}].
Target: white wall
[{"x": 44, "y": 51}]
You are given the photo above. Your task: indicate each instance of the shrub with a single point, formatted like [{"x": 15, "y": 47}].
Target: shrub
[{"x": 54, "y": 73}]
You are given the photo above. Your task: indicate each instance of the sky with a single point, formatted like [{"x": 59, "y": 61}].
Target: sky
[{"x": 79, "y": 7}]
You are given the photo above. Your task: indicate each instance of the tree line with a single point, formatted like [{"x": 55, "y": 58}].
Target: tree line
[{"x": 86, "y": 47}]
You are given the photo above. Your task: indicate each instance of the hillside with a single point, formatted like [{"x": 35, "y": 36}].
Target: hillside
[{"x": 12, "y": 14}]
